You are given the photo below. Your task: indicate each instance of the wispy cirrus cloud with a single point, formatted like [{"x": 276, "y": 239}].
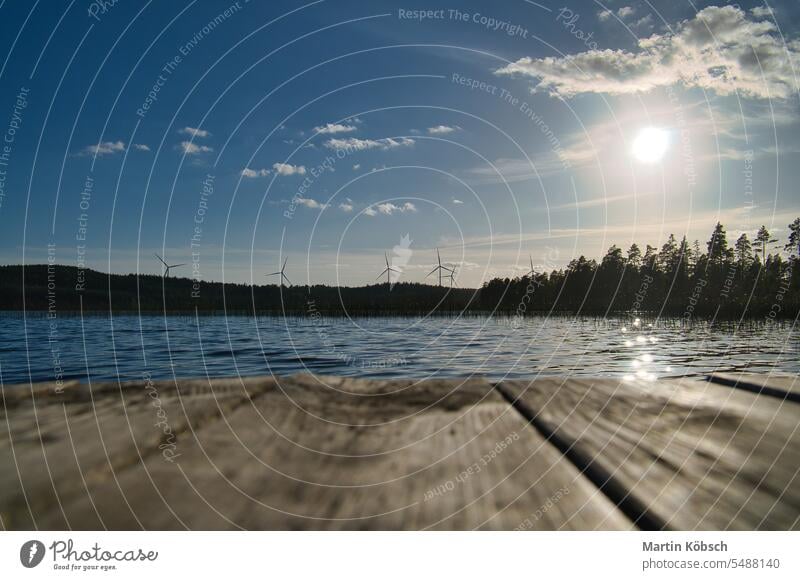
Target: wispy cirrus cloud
[
  {"x": 190, "y": 148},
  {"x": 104, "y": 148},
  {"x": 388, "y": 208},
  {"x": 720, "y": 49},
  {"x": 310, "y": 203},
  {"x": 286, "y": 169},
  {"x": 254, "y": 173},
  {"x": 364, "y": 144},
  {"x": 194, "y": 132},
  {"x": 333, "y": 128},
  {"x": 442, "y": 129}
]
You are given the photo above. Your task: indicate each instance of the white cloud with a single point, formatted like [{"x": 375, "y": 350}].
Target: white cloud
[
  {"x": 457, "y": 201},
  {"x": 644, "y": 22},
  {"x": 363, "y": 144},
  {"x": 388, "y": 208},
  {"x": 254, "y": 173},
  {"x": 346, "y": 206},
  {"x": 310, "y": 203},
  {"x": 604, "y": 15},
  {"x": 441, "y": 130},
  {"x": 141, "y": 147},
  {"x": 333, "y": 128},
  {"x": 285, "y": 169},
  {"x": 719, "y": 50},
  {"x": 625, "y": 11},
  {"x": 356, "y": 167},
  {"x": 193, "y": 149},
  {"x": 762, "y": 11},
  {"x": 104, "y": 148},
  {"x": 194, "y": 132}
]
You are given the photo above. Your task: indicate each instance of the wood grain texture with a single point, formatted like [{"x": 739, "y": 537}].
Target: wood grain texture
[
  {"x": 56, "y": 444},
  {"x": 687, "y": 455},
  {"x": 310, "y": 452},
  {"x": 330, "y": 453}
]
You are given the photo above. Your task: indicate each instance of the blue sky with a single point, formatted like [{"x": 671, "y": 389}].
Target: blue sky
[{"x": 228, "y": 135}]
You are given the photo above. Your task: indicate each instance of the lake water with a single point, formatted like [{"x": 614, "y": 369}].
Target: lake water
[{"x": 98, "y": 347}]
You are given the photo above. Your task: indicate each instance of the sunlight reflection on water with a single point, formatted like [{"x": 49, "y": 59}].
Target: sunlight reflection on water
[{"x": 385, "y": 347}]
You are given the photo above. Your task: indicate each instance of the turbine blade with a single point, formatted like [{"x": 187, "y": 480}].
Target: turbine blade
[
  {"x": 284, "y": 263},
  {"x": 159, "y": 259},
  {"x": 432, "y": 271},
  {"x": 176, "y": 265},
  {"x": 286, "y": 277}
]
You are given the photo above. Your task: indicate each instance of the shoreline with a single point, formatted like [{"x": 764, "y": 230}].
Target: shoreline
[{"x": 760, "y": 318}]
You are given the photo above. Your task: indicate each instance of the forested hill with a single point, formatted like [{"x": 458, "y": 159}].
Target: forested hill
[{"x": 63, "y": 287}]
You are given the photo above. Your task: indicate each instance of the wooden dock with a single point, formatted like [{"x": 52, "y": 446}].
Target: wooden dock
[{"x": 311, "y": 452}]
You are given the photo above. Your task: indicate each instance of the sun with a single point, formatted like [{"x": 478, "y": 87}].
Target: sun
[{"x": 650, "y": 145}]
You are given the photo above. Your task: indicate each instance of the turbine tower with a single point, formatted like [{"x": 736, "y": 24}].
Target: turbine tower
[
  {"x": 167, "y": 267},
  {"x": 388, "y": 271},
  {"x": 439, "y": 268},
  {"x": 282, "y": 273},
  {"x": 452, "y": 276},
  {"x": 532, "y": 272}
]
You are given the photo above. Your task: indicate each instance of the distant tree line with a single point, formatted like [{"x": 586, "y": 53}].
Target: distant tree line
[
  {"x": 54, "y": 287},
  {"x": 746, "y": 278}
]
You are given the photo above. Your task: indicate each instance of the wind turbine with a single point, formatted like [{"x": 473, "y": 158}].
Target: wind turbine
[
  {"x": 282, "y": 274},
  {"x": 439, "y": 268},
  {"x": 532, "y": 272},
  {"x": 388, "y": 271},
  {"x": 452, "y": 276},
  {"x": 167, "y": 266}
]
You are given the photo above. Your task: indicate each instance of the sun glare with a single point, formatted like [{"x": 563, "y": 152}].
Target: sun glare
[{"x": 650, "y": 145}]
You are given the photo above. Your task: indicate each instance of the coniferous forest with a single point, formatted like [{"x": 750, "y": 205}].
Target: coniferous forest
[{"x": 721, "y": 277}]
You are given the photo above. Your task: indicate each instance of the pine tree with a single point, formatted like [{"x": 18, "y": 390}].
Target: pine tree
[
  {"x": 718, "y": 251},
  {"x": 763, "y": 241},
  {"x": 794, "y": 238},
  {"x": 649, "y": 260},
  {"x": 634, "y": 257},
  {"x": 668, "y": 257},
  {"x": 744, "y": 252}
]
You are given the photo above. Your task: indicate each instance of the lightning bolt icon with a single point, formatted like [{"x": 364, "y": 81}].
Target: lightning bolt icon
[{"x": 32, "y": 552}]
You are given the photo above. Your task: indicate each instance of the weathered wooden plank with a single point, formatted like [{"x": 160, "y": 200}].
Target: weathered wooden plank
[
  {"x": 54, "y": 448},
  {"x": 333, "y": 453},
  {"x": 686, "y": 455},
  {"x": 781, "y": 386}
]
